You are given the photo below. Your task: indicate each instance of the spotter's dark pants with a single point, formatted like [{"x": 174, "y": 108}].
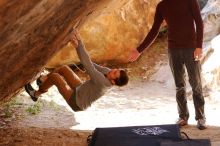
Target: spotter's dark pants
[{"x": 179, "y": 59}]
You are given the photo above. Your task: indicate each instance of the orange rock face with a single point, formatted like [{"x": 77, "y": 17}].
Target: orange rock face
[{"x": 111, "y": 33}]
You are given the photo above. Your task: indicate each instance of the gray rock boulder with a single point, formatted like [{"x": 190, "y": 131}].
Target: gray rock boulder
[{"x": 211, "y": 19}]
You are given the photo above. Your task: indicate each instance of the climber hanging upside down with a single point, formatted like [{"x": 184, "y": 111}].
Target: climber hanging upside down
[{"x": 79, "y": 95}]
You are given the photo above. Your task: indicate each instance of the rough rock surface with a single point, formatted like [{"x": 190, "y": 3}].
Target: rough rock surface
[
  {"x": 211, "y": 19},
  {"x": 211, "y": 66},
  {"x": 111, "y": 33},
  {"x": 31, "y": 32}
]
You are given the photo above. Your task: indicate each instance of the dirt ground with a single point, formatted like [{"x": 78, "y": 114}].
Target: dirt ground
[{"x": 148, "y": 99}]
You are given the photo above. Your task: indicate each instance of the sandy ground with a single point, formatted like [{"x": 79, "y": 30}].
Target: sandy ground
[{"x": 148, "y": 99}]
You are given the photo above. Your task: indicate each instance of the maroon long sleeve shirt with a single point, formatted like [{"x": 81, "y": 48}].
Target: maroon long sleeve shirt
[{"x": 185, "y": 25}]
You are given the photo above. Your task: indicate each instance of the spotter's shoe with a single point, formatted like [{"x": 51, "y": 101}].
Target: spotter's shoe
[
  {"x": 182, "y": 122},
  {"x": 201, "y": 124}
]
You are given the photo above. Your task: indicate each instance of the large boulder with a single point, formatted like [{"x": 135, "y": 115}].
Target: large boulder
[
  {"x": 211, "y": 19},
  {"x": 31, "y": 32},
  {"x": 111, "y": 33},
  {"x": 211, "y": 67}
]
